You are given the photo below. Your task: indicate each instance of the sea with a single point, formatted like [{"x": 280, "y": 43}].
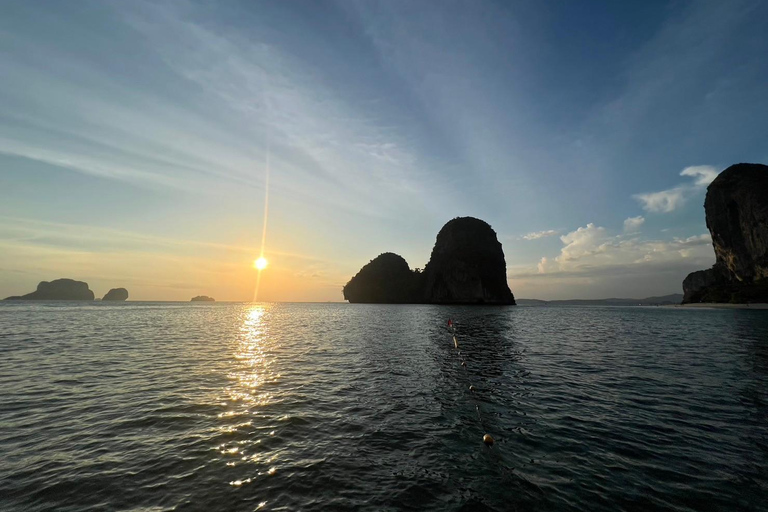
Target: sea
[{"x": 253, "y": 406}]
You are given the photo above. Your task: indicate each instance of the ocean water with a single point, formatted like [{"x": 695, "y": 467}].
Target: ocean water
[{"x": 162, "y": 406}]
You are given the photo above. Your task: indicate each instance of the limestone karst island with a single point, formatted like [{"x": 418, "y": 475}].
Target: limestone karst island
[
  {"x": 116, "y": 294},
  {"x": 58, "y": 289},
  {"x": 736, "y": 208},
  {"x": 69, "y": 289},
  {"x": 467, "y": 266}
]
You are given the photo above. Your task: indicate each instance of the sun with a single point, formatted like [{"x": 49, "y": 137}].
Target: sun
[{"x": 261, "y": 263}]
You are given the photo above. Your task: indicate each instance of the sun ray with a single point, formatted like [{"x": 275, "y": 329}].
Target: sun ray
[{"x": 264, "y": 228}]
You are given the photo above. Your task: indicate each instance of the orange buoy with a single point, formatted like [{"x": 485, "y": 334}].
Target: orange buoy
[{"x": 488, "y": 439}]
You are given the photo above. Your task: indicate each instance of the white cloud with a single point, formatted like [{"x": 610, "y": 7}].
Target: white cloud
[
  {"x": 666, "y": 201},
  {"x": 632, "y": 224},
  {"x": 580, "y": 243},
  {"x": 594, "y": 263},
  {"x": 591, "y": 248},
  {"x": 540, "y": 234},
  {"x": 662, "y": 202},
  {"x": 704, "y": 174}
]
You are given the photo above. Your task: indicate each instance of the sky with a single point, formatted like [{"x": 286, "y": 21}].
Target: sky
[{"x": 146, "y": 144}]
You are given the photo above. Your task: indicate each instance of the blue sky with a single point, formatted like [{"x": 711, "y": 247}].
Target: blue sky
[{"x": 138, "y": 139}]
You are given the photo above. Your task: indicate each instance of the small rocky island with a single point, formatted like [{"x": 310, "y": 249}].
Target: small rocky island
[
  {"x": 58, "y": 289},
  {"x": 736, "y": 209},
  {"x": 116, "y": 294},
  {"x": 467, "y": 266},
  {"x": 202, "y": 298}
]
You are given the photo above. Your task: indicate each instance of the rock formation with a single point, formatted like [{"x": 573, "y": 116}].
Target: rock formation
[
  {"x": 118, "y": 294},
  {"x": 736, "y": 209},
  {"x": 466, "y": 267},
  {"x": 385, "y": 279},
  {"x": 58, "y": 289},
  {"x": 202, "y": 298}
]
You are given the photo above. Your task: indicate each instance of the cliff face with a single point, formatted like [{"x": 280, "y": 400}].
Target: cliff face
[
  {"x": 118, "y": 294},
  {"x": 58, "y": 289},
  {"x": 737, "y": 216},
  {"x": 704, "y": 286},
  {"x": 385, "y": 279},
  {"x": 467, "y": 266},
  {"x": 736, "y": 210}
]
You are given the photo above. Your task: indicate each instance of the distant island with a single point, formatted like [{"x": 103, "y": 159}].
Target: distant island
[
  {"x": 202, "y": 298},
  {"x": 664, "y": 300},
  {"x": 466, "y": 266},
  {"x": 116, "y": 294},
  {"x": 69, "y": 289},
  {"x": 58, "y": 289},
  {"x": 736, "y": 209}
]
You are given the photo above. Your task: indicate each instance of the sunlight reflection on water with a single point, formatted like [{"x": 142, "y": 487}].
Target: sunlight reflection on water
[
  {"x": 244, "y": 398},
  {"x": 364, "y": 407}
]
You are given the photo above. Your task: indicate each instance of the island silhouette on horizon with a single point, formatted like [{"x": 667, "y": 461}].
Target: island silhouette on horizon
[{"x": 466, "y": 266}]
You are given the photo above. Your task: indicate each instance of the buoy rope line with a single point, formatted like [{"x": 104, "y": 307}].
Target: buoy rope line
[{"x": 488, "y": 439}]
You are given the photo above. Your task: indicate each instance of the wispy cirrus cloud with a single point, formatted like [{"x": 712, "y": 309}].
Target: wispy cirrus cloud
[
  {"x": 666, "y": 201},
  {"x": 217, "y": 102}
]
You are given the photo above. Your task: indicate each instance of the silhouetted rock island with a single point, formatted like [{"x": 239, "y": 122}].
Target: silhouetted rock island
[
  {"x": 736, "y": 209},
  {"x": 467, "y": 266},
  {"x": 202, "y": 298},
  {"x": 58, "y": 289},
  {"x": 385, "y": 279},
  {"x": 117, "y": 294}
]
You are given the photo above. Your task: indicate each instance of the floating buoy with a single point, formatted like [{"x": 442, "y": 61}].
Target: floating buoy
[
  {"x": 463, "y": 363},
  {"x": 472, "y": 388},
  {"x": 455, "y": 342},
  {"x": 488, "y": 439}
]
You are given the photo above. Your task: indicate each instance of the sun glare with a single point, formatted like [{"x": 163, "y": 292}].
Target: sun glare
[{"x": 260, "y": 263}]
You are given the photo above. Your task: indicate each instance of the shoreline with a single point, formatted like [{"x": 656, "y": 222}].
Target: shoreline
[{"x": 719, "y": 305}]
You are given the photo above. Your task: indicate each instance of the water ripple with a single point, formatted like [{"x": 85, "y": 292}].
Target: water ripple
[{"x": 142, "y": 406}]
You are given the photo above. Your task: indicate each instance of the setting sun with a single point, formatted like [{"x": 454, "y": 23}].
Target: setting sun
[{"x": 260, "y": 263}]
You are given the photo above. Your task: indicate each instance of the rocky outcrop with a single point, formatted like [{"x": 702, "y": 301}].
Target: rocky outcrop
[
  {"x": 385, "y": 279},
  {"x": 117, "y": 294},
  {"x": 466, "y": 267},
  {"x": 58, "y": 289},
  {"x": 700, "y": 286},
  {"x": 736, "y": 209},
  {"x": 202, "y": 298}
]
